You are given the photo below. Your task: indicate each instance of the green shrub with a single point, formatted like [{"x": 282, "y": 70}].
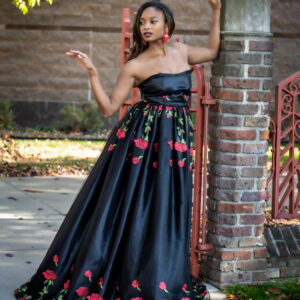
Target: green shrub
[
  {"x": 85, "y": 118},
  {"x": 6, "y": 116}
]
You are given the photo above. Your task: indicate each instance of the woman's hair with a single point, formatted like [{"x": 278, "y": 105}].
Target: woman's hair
[{"x": 138, "y": 46}]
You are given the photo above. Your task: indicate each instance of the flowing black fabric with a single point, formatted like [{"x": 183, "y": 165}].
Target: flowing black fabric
[{"x": 127, "y": 234}]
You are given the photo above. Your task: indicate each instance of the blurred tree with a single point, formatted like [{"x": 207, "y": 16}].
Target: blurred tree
[{"x": 23, "y": 5}]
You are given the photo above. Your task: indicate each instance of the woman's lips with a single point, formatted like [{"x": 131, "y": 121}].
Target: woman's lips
[{"x": 147, "y": 34}]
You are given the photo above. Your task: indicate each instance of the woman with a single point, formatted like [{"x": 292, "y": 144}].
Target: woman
[{"x": 126, "y": 236}]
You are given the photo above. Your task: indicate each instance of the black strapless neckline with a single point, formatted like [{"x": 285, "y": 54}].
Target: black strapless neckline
[{"x": 162, "y": 74}]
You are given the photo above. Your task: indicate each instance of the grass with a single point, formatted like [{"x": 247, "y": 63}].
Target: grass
[{"x": 285, "y": 289}]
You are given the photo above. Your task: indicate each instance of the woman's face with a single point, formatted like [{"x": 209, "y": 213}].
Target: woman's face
[{"x": 152, "y": 24}]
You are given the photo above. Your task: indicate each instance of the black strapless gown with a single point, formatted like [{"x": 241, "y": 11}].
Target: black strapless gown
[{"x": 127, "y": 233}]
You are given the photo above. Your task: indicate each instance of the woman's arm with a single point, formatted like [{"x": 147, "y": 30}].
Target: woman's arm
[
  {"x": 107, "y": 104},
  {"x": 197, "y": 55}
]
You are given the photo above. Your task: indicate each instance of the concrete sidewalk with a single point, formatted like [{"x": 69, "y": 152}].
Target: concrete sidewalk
[{"x": 31, "y": 211}]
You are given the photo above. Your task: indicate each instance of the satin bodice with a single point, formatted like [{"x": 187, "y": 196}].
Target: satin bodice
[{"x": 166, "y": 87}]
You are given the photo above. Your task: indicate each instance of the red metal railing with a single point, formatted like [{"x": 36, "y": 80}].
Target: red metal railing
[
  {"x": 284, "y": 172},
  {"x": 199, "y": 246}
]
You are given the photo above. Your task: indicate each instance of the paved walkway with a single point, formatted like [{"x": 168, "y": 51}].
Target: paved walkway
[{"x": 31, "y": 211}]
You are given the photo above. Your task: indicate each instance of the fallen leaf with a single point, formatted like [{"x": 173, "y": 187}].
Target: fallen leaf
[
  {"x": 274, "y": 290},
  {"x": 33, "y": 191}
]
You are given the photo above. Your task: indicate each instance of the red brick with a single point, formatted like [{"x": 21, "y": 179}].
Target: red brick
[
  {"x": 252, "y": 219},
  {"x": 231, "y": 134},
  {"x": 259, "y": 96},
  {"x": 241, "y": 83},
  {"x": 242, "y": 254},
  {"x": 224, "y": 255},
  {"x": 234, "y": 207},
  {"x": 228, "y": 95},
  {"x": 224, "y": 146},
  {"x": 264, "y": 46},
  {"x": 260, "y": 253}
]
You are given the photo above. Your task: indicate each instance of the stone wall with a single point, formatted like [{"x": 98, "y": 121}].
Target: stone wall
[{"x": 37, "y": 76}]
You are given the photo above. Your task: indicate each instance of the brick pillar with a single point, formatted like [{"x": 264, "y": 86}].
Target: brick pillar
[{"x": 238, "y": 134}]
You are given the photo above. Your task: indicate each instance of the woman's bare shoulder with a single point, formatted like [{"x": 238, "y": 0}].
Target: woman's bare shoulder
[
  {"x": 131, "y": 66},
  {"x": 181, "y": 47}
]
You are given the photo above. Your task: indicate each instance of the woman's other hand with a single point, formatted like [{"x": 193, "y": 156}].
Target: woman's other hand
[
  {"x": 215, "y": 4},
  {"x": 83, "y": 60}
]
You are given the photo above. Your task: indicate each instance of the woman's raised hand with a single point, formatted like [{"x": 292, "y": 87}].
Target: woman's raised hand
[
  {"x": 215, "y": 4},
  {"x": 83, "y": 60}
]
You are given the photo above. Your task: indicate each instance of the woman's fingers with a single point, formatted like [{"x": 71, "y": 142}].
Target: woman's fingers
[{"x": 76, "y": 54}]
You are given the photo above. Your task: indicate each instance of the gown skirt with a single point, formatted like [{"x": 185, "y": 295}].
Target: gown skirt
[{"x": 126, "y": 236}]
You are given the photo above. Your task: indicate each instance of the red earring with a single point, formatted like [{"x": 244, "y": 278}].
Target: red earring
[
  {"x": 144, "y": 42},
  {"x": 166, "y": 35}
]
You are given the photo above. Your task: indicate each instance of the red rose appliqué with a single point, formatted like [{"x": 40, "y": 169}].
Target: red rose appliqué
[
  {"x": 140, "y": 143},
  {"x": 180, "y": 147},
  {"x": 49, "y": 274},
  {"x": 82, "y": 291},
  {"x": 120, "y": 133}
]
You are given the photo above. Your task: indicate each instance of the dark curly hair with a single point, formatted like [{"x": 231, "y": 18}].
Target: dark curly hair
[{"x": 138, "y": 46}]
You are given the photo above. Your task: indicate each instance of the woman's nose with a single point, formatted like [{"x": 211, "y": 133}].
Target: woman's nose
[{"x": 147, "y": 25}]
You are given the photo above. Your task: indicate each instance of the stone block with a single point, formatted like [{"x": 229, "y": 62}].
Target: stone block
[
  {"x": 251, "y": 265},
  {"x": 257, "y": 121},
  {"x": 273, "y": 273}
]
